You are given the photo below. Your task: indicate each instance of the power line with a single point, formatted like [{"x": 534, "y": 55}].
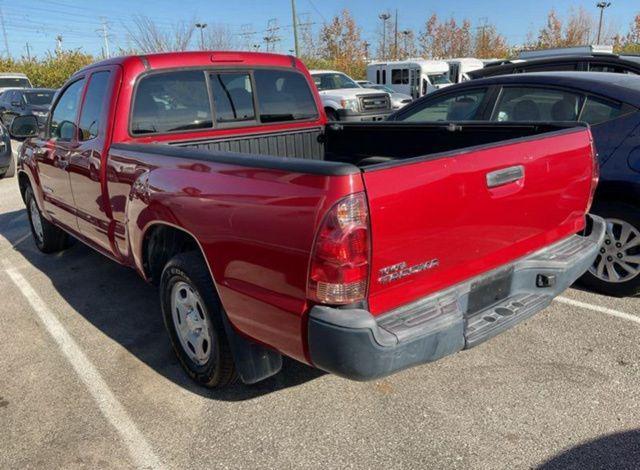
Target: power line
[{"x": 272, "y": 34}]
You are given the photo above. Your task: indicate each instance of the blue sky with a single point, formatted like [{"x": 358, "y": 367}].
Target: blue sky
[{"x": 38, "y": 22}]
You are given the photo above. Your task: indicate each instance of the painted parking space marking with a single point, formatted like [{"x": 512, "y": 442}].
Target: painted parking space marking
[
  {"x": 598, "y": 308},
  {"x": 110, "y": 407}
]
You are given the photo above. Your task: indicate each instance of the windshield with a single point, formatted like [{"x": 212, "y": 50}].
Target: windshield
[
  {"x": 41, "y": 98},
  {"x": 14, "y": 82},
  {"x": 438, "y": 78},
  {"x": 333, "y": 81}
]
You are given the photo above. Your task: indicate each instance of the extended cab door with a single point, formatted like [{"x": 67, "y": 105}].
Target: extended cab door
[
  {"x": 53, "y": 157},
  {"x": 85, "y": 160}
]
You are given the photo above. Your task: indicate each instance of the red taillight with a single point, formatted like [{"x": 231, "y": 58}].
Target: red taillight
[
  {"x": 595, "y": 175},
  {"x": 339, "y": 270}
]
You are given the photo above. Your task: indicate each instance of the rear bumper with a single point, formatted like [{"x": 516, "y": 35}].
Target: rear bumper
[{"x": 355, "y": 344}]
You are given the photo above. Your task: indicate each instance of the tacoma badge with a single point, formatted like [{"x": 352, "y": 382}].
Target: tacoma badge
[{"x": 400, "y": 270}]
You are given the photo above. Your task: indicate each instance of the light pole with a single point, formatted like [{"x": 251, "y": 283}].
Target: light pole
[
  {"x": 602, "y": 6},
  {"x": 384, "y": 17},
  {"x": 405, "y": 35},
  {"x": 201, "y": 27}
]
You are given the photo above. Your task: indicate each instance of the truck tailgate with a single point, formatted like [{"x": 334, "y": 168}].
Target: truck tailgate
[{"x": 441, "y": 219}]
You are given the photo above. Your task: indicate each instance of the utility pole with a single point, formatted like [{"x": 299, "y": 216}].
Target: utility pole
[
  {"x": 395, "y": 38},
  {"x": 247, "y": 34},
  {"x": 4, "y": 34},
  {"x": 28, "y": 52},
  {"x": 105, "y": 38},
  {"x": 295, "y": 27},
  {"x": 384, "y": 17},
  {"x": 272, "y": 38},
  {"x": 59, "y": 44},
  {"x": 602, "y": 6},
  {"x": 366, "y": 50}
]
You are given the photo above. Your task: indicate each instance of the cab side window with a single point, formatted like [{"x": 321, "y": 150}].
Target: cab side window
[
  {"x": 93, "y": 105},
  {"x": 597, "y": 110},
  {"x": 452, "y": 107},
  {"x": 517, "y": 104},
  {"x": 63, "y": 116}
]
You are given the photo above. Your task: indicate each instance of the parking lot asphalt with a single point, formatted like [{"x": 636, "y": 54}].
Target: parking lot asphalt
[{"x": 88, "y": 380}]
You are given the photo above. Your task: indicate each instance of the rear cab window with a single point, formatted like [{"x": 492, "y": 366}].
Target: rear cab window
[{"x": 173, "y": 101}]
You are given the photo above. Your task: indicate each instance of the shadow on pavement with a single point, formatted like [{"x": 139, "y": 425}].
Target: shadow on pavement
[
  {"x": 616, "y": 452},
  {"x": 125, "y": 308}
]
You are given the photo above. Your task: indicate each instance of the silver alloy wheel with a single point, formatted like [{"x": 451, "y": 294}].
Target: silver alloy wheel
[
  {"x": 191, "y": 322},
  {"x": 36, "y": 221},
  {"x": 619, "y": 257}
]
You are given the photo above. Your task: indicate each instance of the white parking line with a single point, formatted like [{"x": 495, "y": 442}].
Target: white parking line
[
  {"x": 597, "y": 308},
  {"x": 109, "y": 405}
]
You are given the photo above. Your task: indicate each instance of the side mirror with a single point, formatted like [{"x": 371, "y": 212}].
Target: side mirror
[{"x": 23, "y": 127}]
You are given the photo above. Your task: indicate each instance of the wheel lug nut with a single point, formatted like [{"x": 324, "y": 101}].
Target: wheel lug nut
[
  {"x": 619, "y": 255},
  {"x": 618, "y": 245},
  {"x": 607, "y": 242},
  {"x": 602, "y": 250},
  {"x": 609, "y": 258}
]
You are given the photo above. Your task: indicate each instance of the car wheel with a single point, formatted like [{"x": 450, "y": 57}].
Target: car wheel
[
  {"x": 331, "y": 115},
  {"x": 193, "y": 317},
  {"x": 616, "y": 269},
  {"x": 48, "y": 237}
]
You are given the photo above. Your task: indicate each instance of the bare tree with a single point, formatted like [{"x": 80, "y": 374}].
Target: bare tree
[
  {"x": 148, "y": 37},
  {"x": 219, "y": 37},
  {"x": 630, "y": 43}
]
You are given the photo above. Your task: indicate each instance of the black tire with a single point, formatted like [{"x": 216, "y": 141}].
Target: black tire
[
  {"x": 219, "y": 370},
  {"x": 331, "y": 115},
  {"x": 52, "y": 239},
  {"x": 630, "y": 215}
]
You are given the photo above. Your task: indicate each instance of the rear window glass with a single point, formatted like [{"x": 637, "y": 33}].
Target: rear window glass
[
  {"x": 172, "y": 101},
  {"x": 232, "y": 97},
  {"x": 283, "y": 96},
  {"x": 40, "y": 98},
  {"x": 536, "y": 104}
]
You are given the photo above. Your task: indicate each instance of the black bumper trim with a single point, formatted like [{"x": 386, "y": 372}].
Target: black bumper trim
[{"x": 354, "y": 344}]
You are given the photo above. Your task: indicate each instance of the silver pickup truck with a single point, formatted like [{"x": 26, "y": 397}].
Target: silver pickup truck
[{"x": 344, "y": 100}]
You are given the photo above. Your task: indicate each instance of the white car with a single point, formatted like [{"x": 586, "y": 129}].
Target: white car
[
  {"x": 13, "y": 80},
  {"x": 344, "y": 100}
]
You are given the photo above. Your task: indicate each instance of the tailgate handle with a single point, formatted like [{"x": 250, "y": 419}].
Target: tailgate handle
[{"x": 505, "y": 176}]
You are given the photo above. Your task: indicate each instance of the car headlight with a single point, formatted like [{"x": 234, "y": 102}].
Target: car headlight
[
  {"x": 351, "y": 104},
  {"x": 40, "y": 113}
]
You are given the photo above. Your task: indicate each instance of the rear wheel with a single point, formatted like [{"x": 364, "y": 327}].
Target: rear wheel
[
  {"x": 48, "y": 237},
  {"x": 616, "y": 269},
  {"x": 193, "y": 317}
]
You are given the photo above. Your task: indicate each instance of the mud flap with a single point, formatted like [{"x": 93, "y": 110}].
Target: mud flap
[{"x": 253, "y": 361}]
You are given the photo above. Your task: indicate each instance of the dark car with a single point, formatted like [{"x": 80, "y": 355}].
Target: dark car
[
  {"x": 563, "y": 63},
  {"x": 5, "y": 151},
  {"x": 610, "y": 103},
  {"x": 21, "y": 102}
]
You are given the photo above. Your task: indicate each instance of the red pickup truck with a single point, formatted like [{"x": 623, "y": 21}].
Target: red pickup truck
[{"x": 360, "y": 249}]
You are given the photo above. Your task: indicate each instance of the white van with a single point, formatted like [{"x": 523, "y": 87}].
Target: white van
[
  {"x": 459, "y": 68},
  {"x": 413, "y": 77}
]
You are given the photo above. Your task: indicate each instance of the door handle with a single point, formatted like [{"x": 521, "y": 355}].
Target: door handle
[{"x": 505, "y": 176}]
